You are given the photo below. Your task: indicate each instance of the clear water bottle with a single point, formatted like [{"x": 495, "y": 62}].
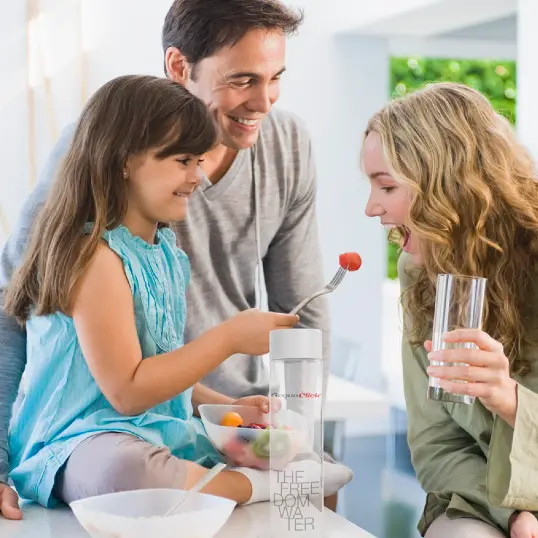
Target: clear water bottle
[{"x": 296, "y": 442}]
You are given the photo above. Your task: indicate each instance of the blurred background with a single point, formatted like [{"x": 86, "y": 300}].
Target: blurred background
[{"x": 350, "y": 57}]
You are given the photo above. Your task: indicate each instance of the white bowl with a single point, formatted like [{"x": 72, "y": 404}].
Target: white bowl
[
  {"x": 139, "y": 514},
  {"x": 249, "y": 447}
]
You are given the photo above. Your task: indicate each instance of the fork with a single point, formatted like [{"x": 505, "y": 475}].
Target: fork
[{"x": 330, "y": 287}]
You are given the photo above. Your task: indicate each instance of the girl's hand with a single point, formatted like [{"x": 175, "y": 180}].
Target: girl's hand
[
  {"x": 486, "y": 370},
  {"x": 248, "y": 332},
  {"x": 525, "y": 525},
  {"x": 261, "y": 402}
]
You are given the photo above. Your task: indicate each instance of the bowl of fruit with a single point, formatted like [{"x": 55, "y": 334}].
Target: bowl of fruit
[{"x": 244, "y": 435}]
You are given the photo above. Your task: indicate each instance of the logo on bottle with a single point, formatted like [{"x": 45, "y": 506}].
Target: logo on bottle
[{"x": 306, "y": 395}]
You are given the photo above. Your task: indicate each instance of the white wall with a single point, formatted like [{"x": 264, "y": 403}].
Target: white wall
[
  {"x": 123, "y": 37},
  {"x": 527, "y": 75},
  {"x": 439, "y": 17},
  {"x": 335, "y": 84},
  {"x": 72, "y": 48},
  {"x": 338, "y": 16},
  {"x": 13, "y": 127},
  {"x": 41, "y": 91},
  {"x": 452, "y": 47}
]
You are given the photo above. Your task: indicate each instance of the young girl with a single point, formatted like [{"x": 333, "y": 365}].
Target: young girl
[
  {"x": 109, "y": 386},
  {"x": 448, "y": 172}
]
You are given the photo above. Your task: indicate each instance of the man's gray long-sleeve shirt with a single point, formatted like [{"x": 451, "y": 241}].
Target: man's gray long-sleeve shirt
[{"x": 219, "y": 235}]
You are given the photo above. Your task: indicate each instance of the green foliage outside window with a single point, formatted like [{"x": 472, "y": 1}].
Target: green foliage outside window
[{"x": 495, "y": 79}]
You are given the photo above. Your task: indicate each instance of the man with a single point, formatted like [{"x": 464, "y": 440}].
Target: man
[{"x": 253, "y": 216}]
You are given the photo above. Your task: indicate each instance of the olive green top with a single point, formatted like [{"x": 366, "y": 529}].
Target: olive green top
[{"x": 470, "y": 462}]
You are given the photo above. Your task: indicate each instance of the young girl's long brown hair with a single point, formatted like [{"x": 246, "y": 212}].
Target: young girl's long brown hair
[{"x": 127, "y": 116}]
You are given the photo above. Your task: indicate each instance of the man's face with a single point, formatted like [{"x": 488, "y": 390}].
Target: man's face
[{"x": 240, "y": 84}]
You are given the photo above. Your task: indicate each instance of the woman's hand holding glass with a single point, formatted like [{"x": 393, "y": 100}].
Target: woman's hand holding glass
[{"x": 486, "y": 371}]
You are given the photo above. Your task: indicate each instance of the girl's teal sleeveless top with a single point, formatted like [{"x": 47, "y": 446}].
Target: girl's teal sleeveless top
[{"x": 62, "y": 404}]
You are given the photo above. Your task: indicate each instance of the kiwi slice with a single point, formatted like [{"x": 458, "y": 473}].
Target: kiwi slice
[{"x": 281, "y": 444}]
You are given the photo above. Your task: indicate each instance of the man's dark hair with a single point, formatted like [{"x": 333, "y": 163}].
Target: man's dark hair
[{"x": 199, "y": 28}]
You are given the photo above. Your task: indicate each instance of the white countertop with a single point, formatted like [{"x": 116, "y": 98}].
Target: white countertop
[
  {"x": 348, "y": 401},
  {"x": 245, "y": 522}
]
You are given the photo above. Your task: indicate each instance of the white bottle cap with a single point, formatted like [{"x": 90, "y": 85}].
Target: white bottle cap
[{"x": 296, "y": 344}]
